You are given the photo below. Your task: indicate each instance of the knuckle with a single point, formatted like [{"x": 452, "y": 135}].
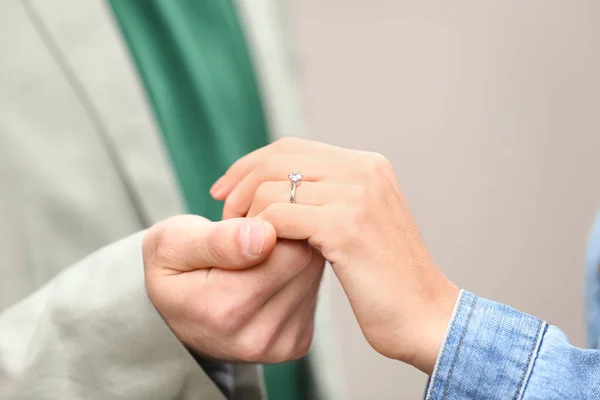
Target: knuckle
[
  {"x": 263, "y": 166},
  {"x": 249, "y": 354},
  {"x": 271, "y": 165},
  {"x": 277, "y": 159},
  {"x": 379, "y": 161},
  {"x": 158, "y": 245},
  {"x": 357, "y": 217},
  {"x": 268, "y": 164},
  {"x": 226, "y": 324},
  {"x": 361, "y": 195},
  {"x": 258, "y": 294},
  {"x": 293, "y": 347},
  {"x": 255, "y": 344},
  {"x": 305, "y": 341},
  {"x": 228, "y": 318},
  {"x": 377, "y": 166},
  {"x": 217, "y": 247},
  {"x": 289, "y": 351},
  {"x": 288, "y": 141},
  {"x": 263, "y": 192},
  {"x": 150, "y": 243}
]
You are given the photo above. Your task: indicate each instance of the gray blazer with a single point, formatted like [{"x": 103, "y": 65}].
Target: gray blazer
[{"x": 82, "y": 169}]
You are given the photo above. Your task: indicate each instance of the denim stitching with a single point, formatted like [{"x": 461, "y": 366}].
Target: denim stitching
[
  {"x": 537, "y": 337},
  {"x": 460, "y": 304},
  {"x": 462, "y": 337}
]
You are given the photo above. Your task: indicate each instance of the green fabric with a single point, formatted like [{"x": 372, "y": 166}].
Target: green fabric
[
  {"x": 287, "y": 381},
  {"x": 195, "y": 66}
]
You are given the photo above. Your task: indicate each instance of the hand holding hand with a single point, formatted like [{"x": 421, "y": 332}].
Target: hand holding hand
[
  {"x": 349, "y": 206},
  {"x": 229, "y": 291}
]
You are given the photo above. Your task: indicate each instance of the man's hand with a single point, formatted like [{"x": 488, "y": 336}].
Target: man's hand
[{"x": 230, "y": 291}]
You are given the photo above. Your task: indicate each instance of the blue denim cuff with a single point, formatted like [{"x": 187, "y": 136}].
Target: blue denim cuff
[
  {"x": 488, "y": 352},
  {"x": 592, "y": 286}
]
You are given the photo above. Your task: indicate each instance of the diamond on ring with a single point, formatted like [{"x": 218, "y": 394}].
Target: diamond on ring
[{"x": 295, "y": 176}]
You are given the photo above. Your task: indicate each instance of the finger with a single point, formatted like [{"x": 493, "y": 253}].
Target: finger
[
  {"x": 282, "y": 305},
  {"x": 242, "y": 167},
  {"x": 190, "y": 242},
  {"x": 246, "y": 164},
  {"x": 296, "y": 335},
  {"x": 274, "y": 315},
  {"x": 297, "y": 221},
  {"x": 289, "y": 258},
  {"x": 240, "y": 293},
  {"x": 307, "y": 193},
  {"x": 277, "y": 168}
]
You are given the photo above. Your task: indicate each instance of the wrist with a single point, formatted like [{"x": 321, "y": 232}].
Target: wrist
[{"x": 426, "y": 330}]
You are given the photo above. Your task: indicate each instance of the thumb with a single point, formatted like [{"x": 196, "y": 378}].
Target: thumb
[
  {"x": 235, "y": 243},
  {"x": 190, "y": 242}
]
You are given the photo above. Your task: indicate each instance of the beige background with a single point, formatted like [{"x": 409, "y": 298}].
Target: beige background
[{"x": 490, "y": 113}]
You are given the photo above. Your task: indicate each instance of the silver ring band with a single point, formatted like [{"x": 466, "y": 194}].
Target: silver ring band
[
  {"x": 293, "y": 193},
  {"x": 295, "y": 178}
]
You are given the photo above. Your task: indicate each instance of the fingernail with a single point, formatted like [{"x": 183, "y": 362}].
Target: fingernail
[
  {"x": 253, "y": 237},
  {"x": 217, "y": 187}
]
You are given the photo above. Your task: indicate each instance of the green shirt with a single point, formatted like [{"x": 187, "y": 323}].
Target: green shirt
[{"x": 197, "y": 72}]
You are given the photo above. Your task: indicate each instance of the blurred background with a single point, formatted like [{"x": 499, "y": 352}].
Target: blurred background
[{"x": 490, "y": 114}]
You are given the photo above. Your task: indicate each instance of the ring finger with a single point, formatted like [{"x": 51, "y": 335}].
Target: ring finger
[
  {"x": 276, "y": 168},
  {"x": 307, "y": 193}
]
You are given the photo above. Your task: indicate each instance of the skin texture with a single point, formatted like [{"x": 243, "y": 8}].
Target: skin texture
[
  {"x": 230, "y": 290},
  {"x": 350, "y": 208}
]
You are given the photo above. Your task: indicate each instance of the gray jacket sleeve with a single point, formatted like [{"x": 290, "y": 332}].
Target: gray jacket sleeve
[{"x": 92, "y": 333}]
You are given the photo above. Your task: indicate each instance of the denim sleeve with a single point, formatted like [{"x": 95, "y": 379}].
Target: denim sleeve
[
  {"x": 592, "y": 286},
  {"x": 492, "y": 351}
]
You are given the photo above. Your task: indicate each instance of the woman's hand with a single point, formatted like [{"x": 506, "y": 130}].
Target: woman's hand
[{"x": 349, "y": 206}]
